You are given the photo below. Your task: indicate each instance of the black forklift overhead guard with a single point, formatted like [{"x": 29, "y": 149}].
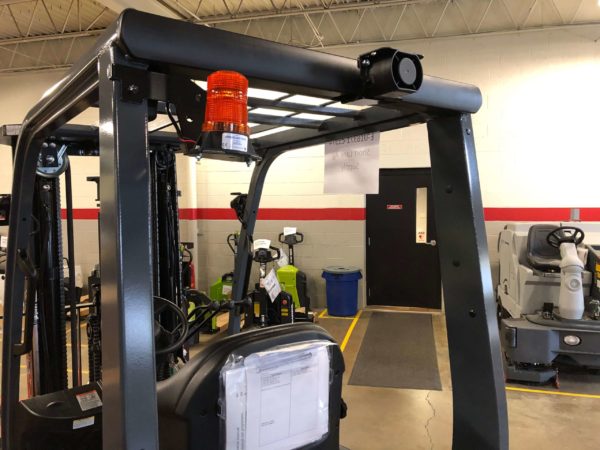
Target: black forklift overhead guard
[{"x": 150, "y": 50}]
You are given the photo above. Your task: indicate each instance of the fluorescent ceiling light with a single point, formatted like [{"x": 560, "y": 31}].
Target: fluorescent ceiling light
[
  {"x": 349, "y": 107},
  {"x": 272, "y": 112},
  {"x": 308, "y": 116},
  {"x": 269, "y": 132},
  {"x": 266, "y": 94},
  {"x": 252, "y": 92},
  {"x": 306, "y": 100}
]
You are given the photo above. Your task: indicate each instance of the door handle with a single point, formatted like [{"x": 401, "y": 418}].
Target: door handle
[{"x": 432, "y": 242}]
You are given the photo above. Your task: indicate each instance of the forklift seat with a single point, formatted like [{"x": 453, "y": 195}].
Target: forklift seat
[
  {"x": 190, "y": 404},
  {"x": 541, "y": 255}
]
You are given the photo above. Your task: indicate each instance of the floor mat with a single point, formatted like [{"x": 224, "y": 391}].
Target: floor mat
[{"x": 398, "y": 351}]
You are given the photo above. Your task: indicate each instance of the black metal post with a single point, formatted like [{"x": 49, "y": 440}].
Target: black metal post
[
  {"x": 480, "y": 417},
  {"x": 129, "y": 390},
  {"x": 47, "y": 254},
  {"x": 75, "y": 344},
  {"x": 243, "y": 257}
]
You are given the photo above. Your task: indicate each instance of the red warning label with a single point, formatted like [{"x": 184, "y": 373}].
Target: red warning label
[{"x": 394, "y": 206}]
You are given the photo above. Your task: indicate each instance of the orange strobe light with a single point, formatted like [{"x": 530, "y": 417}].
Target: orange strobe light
[{"x": 226, "y": 103}]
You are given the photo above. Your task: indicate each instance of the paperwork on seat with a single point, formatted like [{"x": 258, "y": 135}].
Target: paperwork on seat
[{"x": 279, "y": 399}]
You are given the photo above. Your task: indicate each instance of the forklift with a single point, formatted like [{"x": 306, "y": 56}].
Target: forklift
[{"x": 142, "y": 66}]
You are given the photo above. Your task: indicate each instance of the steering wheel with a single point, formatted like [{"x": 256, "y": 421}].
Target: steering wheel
[
  {"x": 178, "y": 335},
  {"x": 562, "y": 235}
]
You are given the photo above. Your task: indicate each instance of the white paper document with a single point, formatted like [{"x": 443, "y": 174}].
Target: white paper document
[
  {"x": 271, "y": 284},
  {"x": 289, "y": 230},
  {"x": 352, "y": 165},
  {"x": 261, "y": 243},
  {"x": 283, "y": 259},
  {"x": 285, "y": 404}
]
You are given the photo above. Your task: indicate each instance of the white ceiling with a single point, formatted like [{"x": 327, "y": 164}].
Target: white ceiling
[{"x": 51, "y": 34}]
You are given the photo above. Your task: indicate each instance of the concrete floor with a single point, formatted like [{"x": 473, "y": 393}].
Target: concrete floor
[{"x": 385, "y": 418}]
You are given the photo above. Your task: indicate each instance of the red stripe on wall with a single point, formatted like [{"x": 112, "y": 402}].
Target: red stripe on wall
[
  {"x": 539, "y": 214},
  {"x": 81, "y": 213},
  {"x": 490, "y": 214},
  {"x": 276, "y": 214}
]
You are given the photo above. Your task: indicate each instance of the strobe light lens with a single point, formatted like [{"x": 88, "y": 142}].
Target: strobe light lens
[
  {"x": 226, "y": 103},
  {"x": 572, "y": 340}
]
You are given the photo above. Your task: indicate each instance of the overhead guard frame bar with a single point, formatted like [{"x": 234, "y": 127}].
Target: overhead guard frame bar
[{"x": 176, "y": 48}]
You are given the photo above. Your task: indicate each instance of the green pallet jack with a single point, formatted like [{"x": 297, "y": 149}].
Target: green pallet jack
[
  {"x": 293, "y": 280},
  {"x": 220, "y": 290}
]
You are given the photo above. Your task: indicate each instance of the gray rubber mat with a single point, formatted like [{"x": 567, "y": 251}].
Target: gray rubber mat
[{"x": 398, "y": 351}]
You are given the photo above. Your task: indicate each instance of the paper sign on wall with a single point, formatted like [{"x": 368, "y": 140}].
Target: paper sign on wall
[{"x": 352, "y": 165}]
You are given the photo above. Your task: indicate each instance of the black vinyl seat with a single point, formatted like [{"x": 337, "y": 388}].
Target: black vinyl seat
[
  {"x": 541, "y": 255},
  {"x": 188, "y": 402}
]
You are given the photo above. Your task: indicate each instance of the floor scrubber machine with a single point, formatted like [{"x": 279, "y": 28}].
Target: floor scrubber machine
[{"x": 548, "y": 299}]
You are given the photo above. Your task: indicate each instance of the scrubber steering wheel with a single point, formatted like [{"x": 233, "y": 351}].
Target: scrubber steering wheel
[{"x": 562, "y": 235}]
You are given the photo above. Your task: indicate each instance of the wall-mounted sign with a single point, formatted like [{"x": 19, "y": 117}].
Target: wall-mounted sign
[
  {"x": 352, "y": 165},
  {"x": 395, "y": 206}
]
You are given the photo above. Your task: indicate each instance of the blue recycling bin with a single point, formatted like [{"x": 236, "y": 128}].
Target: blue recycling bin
[{"x": 342, "y": 290}]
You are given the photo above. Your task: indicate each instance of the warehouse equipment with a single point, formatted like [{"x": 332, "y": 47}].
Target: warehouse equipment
[
  {"x": 292, "y": 279},
  {"x": 220, "y": 290},
  {"x": 549, "y": 310},
  {"x": 144, "y": 65},
  {"x": 270, "y": 305}
]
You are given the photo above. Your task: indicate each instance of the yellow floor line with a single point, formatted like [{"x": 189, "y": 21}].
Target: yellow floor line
[
  {"x": 539, "y": 391},
  {"x": 350, "y": 330},
  {"x": 325, "y": 315},
  {"x": 337, "y": 317}
]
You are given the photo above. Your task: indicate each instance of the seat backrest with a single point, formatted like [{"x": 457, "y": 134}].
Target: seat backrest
[
  {"x": 540, "y": 254},
  {"x": 190, "y": 403}
]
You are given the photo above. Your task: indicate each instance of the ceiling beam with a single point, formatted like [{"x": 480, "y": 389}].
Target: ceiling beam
[
  {"x": 159, "y": 7},
  {"x": 13, "y": 2},
  {"x": 297, "y": 11},
  {"x": 50, "y": 37},
  {"x": 575, "y": 26}
]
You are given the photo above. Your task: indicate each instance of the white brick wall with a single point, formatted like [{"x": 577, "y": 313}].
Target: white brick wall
[{"x": 537, "y": 135}]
